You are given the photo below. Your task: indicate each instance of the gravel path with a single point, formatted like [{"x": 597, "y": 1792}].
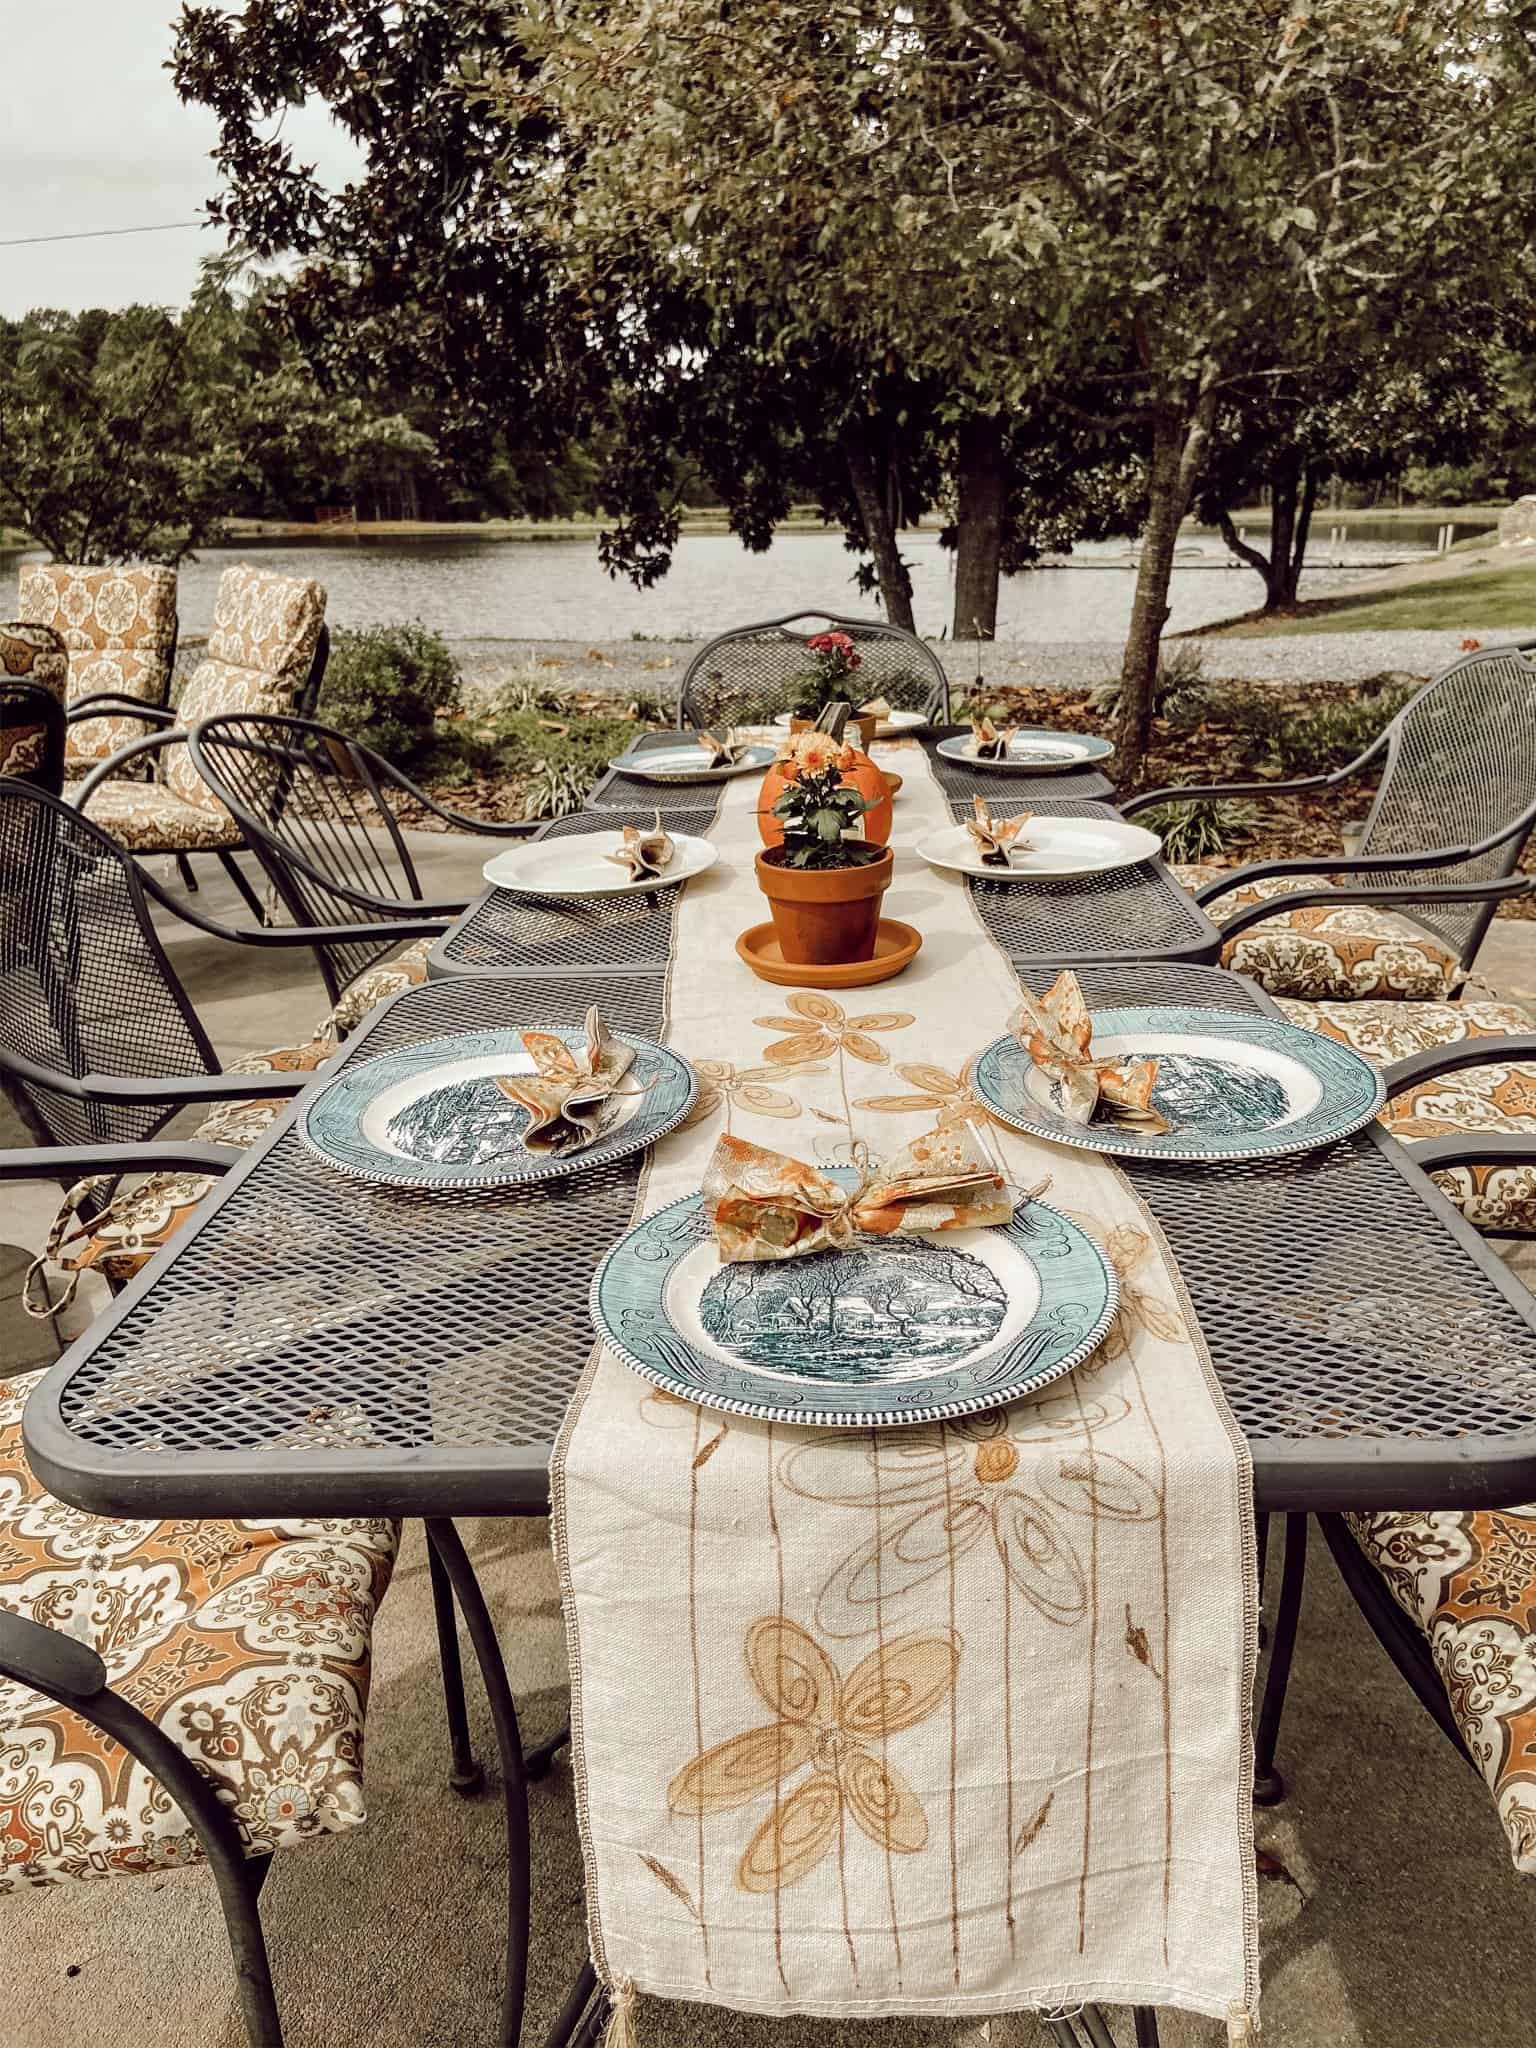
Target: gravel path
[{"x": 654, "y": 667}]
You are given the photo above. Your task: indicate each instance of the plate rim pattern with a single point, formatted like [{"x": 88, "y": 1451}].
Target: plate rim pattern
[
  {"x": 871, "y": 1418},
  {"x": 619, "y": 1145},
  {"x": 1099, "y": 750},
  {"x": 1105, "y": 1139}
]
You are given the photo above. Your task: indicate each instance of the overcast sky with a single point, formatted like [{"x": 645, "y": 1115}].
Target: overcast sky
[{"x": 95, "y": 137}]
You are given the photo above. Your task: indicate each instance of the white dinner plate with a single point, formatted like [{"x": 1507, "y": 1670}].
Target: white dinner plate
[
  {"x": 888, "y": 728},
  {"x": 576, "y": 867},
  {"x": 1058, "y": 846},
  {"x": 1033, "y": 750},
  {"x": 686, "y": 762}
]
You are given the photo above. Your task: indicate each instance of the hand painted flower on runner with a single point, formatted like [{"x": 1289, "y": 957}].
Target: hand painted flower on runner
[{"x": 824, "y": 1721}]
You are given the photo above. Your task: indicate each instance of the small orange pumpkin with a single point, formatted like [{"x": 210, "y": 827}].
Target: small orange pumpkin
[{"x": 874, "y": 825}]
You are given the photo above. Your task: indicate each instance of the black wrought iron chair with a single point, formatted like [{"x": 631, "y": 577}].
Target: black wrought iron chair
[
  {"x": 34, "y": 672},
  {"x": 1455, "y": 805},
  {"x": 1467, "y": 1166},
  {"x": 99, "y": 1047},
  {"x": 319, "y": 812},
  {"x": 749, "y": 675}
]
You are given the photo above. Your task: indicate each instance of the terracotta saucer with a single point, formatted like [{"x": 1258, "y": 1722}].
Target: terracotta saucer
[{"x": 896, "y": 946}]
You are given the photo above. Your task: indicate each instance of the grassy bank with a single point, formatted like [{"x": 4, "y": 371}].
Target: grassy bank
[{"x": 1478, "y": 586}]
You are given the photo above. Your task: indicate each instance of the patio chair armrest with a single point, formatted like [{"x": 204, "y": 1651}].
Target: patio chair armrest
[
  {"x": 1474, "y": 1148},
  {"x": 434, "y": 921},
  {"x": 1511, "y": 888},
  {"x": 180, "y": 1090},
  {"x": 149, "y": 743},
  {"x": 509, "y": 828},
  {"x": 1456, "y": 1058},
  {"x": 69, "y": 1163},
  {"x": 1180, "y": 793},
  {"x": 106, "y": 703},
  {"x": 46, "y": 1660}
]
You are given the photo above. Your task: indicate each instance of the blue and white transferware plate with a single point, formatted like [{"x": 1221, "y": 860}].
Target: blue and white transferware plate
[
  {"x": 896, "y": 1330},
  {"x": 686, "y": 762},
  {"x": 431, "y": 1116},
  {"x": 1232, "y": 1086},
  {"x": 1033, "y": 750}
]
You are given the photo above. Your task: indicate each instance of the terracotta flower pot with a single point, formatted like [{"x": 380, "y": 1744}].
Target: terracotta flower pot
[{"x": 823, "y": 917}]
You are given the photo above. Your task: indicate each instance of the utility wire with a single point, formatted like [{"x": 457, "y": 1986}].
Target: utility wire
[{"x": 97, "y": 234}]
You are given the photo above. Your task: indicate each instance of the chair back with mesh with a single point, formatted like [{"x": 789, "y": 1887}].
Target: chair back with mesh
[
  {"x": 85, "y": 985},
  {"x": 1460, "y": 764},
  {"x": 34, "y": 672},
  {"x": 315, "y": 807},
  {"x": 751, "y": 674}
]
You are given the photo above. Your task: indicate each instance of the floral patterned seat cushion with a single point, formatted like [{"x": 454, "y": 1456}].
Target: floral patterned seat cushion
[
  {"x": 260, "y": 649},
  {"x": 33, "y": 655},
  {"x": 1469, "y": 1581},
  {"x": 119, "y": 626},
  {"x": 1499, "y": 1098},
  {"x": 247, "y": 1643},
  {"x": 120, "y": 1239},
  {"x": 402, "y": 970},
  {"x": 148, "y": 817},
  {"x": 1336, "y": 953}
]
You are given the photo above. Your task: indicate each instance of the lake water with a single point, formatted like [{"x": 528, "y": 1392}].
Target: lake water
[{"x": 556, "y": 589}]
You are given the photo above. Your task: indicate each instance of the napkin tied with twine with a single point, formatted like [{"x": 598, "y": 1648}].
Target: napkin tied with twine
[
  {"x": 643, "y": 853},
  {"x": 568, "y": 1095},
  {"x": 765, "y": 1205},
  {"x": 1057, "y": 1032}
]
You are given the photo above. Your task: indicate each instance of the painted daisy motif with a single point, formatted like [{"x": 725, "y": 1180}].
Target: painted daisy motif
[
  {"x": 819, "y": 1028},
  {"x": 1007, "y": 1483},
  {"x": 722, "y": 1084},
  {"x": 951, "y": 1099},
  {"x": 831, "y": 1725}
]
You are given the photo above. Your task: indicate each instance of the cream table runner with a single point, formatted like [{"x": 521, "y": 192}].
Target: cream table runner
[{"x": 937, "y": 1721}]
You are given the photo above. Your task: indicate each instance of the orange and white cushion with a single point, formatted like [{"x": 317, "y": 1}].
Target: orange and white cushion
[
  {"x": 1336, "y": 953},
  {"x": 120, "y": 628},
  {"x": 1498, "y": 1098},
  {"x": 1468, "y": 1579},
  {"x": 249, "y": 1644}
]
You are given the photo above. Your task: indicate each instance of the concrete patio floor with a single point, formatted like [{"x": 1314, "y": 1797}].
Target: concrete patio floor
[{"x": 1401, "y": 1925}]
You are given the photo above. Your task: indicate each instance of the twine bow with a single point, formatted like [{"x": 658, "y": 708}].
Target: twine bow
[
  {"x": 765, "y": 1205},
  {"x": 1057, "y": 1033},
  {"x": 566, "y": 1096}
]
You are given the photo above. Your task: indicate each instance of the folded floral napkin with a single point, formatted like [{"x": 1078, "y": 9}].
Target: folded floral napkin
[
  {"x": 1057, "y": 1033},
  {"x": 990, "y": 744},
  {"x": 643, "y": 853},
  {"x": 997, "y": 839},
  {"x": 724, "y": 751},
  {"x": 877, "y": 707},
  {"x": 566, "y": 1098},
  {"x": 765, "y": 1205}
]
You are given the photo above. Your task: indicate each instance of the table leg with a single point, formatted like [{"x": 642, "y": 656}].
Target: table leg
[
  {"x": 540, "y": 1759},
  {"x": 568, "y": 2029},
  {"x": 1268, "y": 1784},
  {"x": 466, "y": 1774},
  {"x": 445, "y": 1540}
]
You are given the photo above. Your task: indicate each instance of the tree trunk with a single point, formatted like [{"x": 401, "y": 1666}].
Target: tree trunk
[
  {"x": 1179, "y": 442},
  {"x": 979, "y": 546},
  {"x": 1303, "y": 529},
  {"x": 1284, "y": 482},
  {"x": 1149, "y": 608},
  {"x": 879, "y": 530}
]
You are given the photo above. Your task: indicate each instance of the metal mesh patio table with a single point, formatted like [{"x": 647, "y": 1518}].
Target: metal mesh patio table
[
  {"x": 961, "y": 778},
  {"x": 312, "y": 1344},
  {"x": 1137, "y": 913},
  {"x": 504, "y": 932}
]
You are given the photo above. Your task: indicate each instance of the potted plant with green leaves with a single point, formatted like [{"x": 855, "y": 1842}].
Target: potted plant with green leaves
[{"x": 824, "y": 813}]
